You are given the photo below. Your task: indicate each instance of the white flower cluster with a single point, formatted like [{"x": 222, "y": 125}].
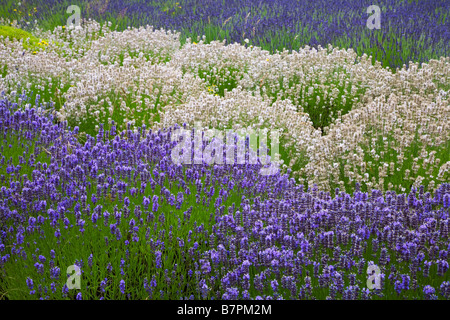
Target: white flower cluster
[{"x": 144, "y": 75}]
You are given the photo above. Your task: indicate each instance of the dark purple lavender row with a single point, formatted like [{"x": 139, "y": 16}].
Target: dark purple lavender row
[
  {"x": 410, "y": 30},
  {"x": 51, "y": 182}
]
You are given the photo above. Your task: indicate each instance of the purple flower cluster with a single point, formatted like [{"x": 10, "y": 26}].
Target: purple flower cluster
[
  {"x": 266, "y": 237},
  {"x": 285, "y": 237}
]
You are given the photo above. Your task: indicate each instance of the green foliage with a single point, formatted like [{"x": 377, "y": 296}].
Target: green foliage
[
  {"x": 12, "y": 33},
  {"x": 29, "y": 41}
]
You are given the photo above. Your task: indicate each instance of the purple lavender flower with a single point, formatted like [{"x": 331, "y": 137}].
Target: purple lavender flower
[
  {"x": 158, "y": 259},
  {"x": 65, "y": 290},
  {"x": 365, "y": 294},
  {"x": 274, "y": 285},
  {"x": 105, "y": 218},
  {"x": 426, "y": 268},
  {"x": 42, "y": 259},
  {"x": 148, "y": 288},
  {"x": 446, "y": 201},
  {"x": 338, "y": 282},
  {"x": 94, "y": 217},
  {"x": 428, "y": 292},
  {"x": 405, "y": 281},
  {"x": 90, "y": 260},
  {"x": 122, "y": 286},
  {"x": 112, "y": 228},
  {"x": 153, "y": 282},
  {"x": 445, "y": 289},
  {"x": 442, "y": 267},
  {"x": 231, "y": 294},
  {"x": 204, "y": 290},
  {"x": 155, "y": 203},
  {"x": 103, "y": 284},
  {"x": 146, "y": 202},
  {"x": 54, "y": 273},
  {"x": 205, "y": 266},
  {"x": 30, "y": 285},
  {"x": 180, "y": 199},
  {"x": 19, "y": 238},
  {"x": 398, "y": 287},
  {"x": 39, "y": 267}
]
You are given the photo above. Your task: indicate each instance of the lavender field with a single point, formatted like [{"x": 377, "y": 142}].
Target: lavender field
[{"x": 129, "y": 167}]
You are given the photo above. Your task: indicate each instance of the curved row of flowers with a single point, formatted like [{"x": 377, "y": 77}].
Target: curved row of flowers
[{"x": 332, "y": 107}]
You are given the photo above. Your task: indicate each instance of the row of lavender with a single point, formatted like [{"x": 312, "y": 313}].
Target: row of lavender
[
  {"x": 149, "y": 229},
  {"x": 410, "y": 30}
]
